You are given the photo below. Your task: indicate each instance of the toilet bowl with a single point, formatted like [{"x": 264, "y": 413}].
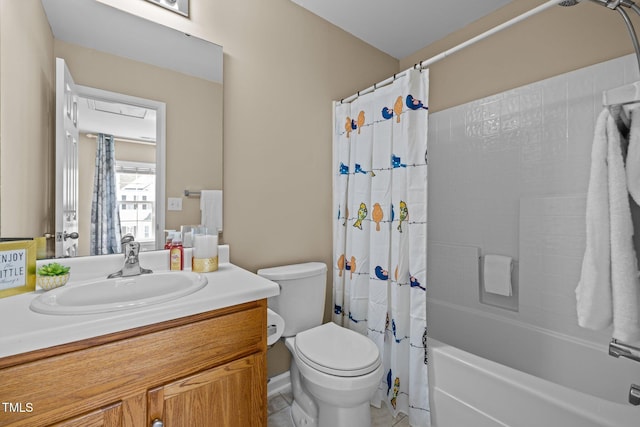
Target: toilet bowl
[
  {"x": 340, "y": 370},
  {"x": 334, "y": 371}
]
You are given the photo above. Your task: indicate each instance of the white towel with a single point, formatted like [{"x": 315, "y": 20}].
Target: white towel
[
  {"x": 211, "y": 209},
  {"x": 593, "y": 294},
  {"x": 609, "y": 289},
  {"x": 497, "y": 274}
]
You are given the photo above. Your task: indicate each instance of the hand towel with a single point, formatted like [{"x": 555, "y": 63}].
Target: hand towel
[
  {"x": 609, "y": 288},
  {"x": 624, "y": 265},
  {"x": 211, "y": 209},
  {"x": 497, "y": 274},
  {"x": 593, "y": 294}
]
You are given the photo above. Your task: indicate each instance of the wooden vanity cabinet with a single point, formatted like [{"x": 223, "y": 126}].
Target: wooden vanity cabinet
[
  {"x": 106, "y": 417},
  {"x": 200, "y": 371},
  {"x": 231, "y": 387}
]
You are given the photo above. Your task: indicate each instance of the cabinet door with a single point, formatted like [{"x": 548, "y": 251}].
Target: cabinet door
[
  {"x": 106, "y": 417},
  {"x": 230, "y": 395}
]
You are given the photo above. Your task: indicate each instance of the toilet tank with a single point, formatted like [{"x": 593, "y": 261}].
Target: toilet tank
[{"x": 302, "y": 295}]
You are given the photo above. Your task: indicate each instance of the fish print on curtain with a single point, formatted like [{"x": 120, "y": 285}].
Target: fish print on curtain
[{"x": 380, "y": 234}]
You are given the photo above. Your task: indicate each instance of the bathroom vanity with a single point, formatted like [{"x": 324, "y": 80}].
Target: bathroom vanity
[{"x": 178, "y": 364}]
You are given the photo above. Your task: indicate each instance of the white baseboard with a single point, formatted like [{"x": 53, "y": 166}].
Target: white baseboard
[{"x": 278, "y": 384}]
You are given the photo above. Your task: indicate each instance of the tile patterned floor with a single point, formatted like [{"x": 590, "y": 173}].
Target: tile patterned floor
[{"x": 280, "y": 414}]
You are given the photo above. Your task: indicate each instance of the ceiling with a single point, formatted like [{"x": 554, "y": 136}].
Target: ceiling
[
  {"x": 122, "y": 120},
  {"x": 107, "y": 29},
  {"x": 401, "y": 27}
]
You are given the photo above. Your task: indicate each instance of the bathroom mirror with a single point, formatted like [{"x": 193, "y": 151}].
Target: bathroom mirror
[{"x": 111, "y": 51}]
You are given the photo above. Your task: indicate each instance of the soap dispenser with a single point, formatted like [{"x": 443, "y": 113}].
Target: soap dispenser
[{"x": 176, "y": 253}]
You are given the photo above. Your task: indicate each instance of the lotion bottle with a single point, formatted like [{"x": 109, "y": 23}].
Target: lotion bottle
[{"x": 176, "y": 253}]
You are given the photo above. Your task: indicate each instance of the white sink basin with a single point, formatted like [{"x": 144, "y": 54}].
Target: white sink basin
[{"x": 123, "y": 293}]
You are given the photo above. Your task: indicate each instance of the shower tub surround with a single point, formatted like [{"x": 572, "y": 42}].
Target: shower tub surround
[{"x": 508, "y": 175}]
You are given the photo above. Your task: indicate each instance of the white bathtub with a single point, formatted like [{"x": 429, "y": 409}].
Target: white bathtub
[{"x": 469, "y": 390}]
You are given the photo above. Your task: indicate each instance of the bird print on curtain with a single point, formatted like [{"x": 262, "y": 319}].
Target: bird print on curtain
[{"x": 380, "y": 201}]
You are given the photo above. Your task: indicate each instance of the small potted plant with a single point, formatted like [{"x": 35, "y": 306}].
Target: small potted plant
[{"x": 52, "y": 275}]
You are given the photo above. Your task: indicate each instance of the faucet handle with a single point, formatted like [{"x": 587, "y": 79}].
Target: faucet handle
[
  {"x": 130, "y": 248},
  {"x": 127, "y": 238}
]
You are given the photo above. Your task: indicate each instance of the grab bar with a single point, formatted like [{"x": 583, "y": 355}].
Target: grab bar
[{"x": 618, "y": 349}]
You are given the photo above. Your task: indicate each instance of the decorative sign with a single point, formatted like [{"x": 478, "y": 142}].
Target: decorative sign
[{"x": 17, "y": 267}]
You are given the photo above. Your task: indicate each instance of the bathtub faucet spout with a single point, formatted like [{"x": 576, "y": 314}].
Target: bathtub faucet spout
[
  {"x": 634, "y": 394},
  {"x": 618, "y": 349}
]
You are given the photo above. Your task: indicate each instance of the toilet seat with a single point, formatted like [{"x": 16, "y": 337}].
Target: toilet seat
[{"x": 337, "y": 351}]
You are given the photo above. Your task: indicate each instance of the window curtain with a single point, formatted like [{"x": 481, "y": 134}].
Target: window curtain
[
  {"x": 105, "y": 218},
  {"x": 380, "y": 234}
]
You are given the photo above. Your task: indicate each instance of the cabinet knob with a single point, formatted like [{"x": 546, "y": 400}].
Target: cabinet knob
[{"x": 157, "y": 423}]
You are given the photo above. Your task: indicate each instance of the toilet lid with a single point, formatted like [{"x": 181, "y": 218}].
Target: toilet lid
[{"x": 338, "y": 351}]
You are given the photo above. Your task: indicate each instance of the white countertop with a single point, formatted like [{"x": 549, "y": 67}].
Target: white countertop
[{"x": 22, "y": 330}]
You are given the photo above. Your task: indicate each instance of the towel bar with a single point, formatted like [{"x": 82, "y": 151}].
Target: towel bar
[
  {"x": 618, "y": 349},
  {"x": 192, "y": 193}
]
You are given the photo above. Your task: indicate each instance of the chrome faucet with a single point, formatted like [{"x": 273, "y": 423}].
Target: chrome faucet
[
  {"x": 131, "y": 266},
  {"x": 618, "y": 349}
]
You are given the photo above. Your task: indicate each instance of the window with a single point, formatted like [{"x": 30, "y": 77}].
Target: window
[{"x": 136, "y": 190}]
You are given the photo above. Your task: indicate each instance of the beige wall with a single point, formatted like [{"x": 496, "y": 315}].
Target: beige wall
[{"x": 26, "y": 102}]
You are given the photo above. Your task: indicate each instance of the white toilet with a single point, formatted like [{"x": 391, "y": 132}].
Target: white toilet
[{"x": 334, "y": 370}]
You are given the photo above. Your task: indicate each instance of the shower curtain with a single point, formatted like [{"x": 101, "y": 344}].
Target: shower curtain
[
  {"x": 380, "y": 233},
  {"x": 105, "y": 217}
]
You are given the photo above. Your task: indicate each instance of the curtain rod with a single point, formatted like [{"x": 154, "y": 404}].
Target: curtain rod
[
  {"x": 117, "y": 138},
  {"x": 425, "y": 64}
]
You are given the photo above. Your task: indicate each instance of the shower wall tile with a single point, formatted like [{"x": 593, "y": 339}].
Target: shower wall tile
[
  {"x": 508, "y": 174},
  {"x": 455, "y": 273},
  {"x": 631, "y": 71}
]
